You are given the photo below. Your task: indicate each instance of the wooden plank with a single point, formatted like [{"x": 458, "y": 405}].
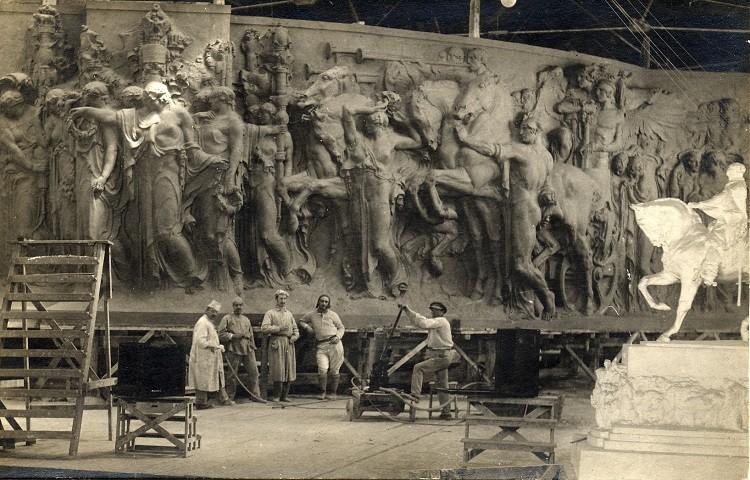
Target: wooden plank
[
  {"x": 39, "y": 403},
  {"x": 544, "y": 400},
  {"x": 14, "y": 383},
  {"x": 66, "y": 333},
  {"x": 49, "y": 297},
  {"x": 57, "y": 260},
  {"x": 407, "y": 357},
  {"x": 472, "y": 364},
  {"x": 102, "y": 250},
  {"x": 37, "y": 392},
  {"x": 157, "y": 435},
  {"x": 60, "y": 242},
  {"x": 40, "y": 372},
  {"x": 58, "y": 412},
  {"x": 173, "y": 418},
  {"x": 103, "y": 383},
  {"x": 509, "y": 421},
  {"x": 53, "y": 278},
  {"x": 61, "y": 315},
  {"x": 26, "y": 435},
  {"x": 41, "y": 353},
  {"x": 488, "y": 444},
  {"x": 580, "y": 362}
]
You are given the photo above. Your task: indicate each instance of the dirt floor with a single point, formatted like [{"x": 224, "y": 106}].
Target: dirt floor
[{"x": 308, "y": 439}]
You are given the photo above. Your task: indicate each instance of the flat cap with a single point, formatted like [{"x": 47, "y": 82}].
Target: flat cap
[{"x": 438, "y": 306}]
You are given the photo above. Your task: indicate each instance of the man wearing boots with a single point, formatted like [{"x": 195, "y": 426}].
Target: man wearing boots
[
  {"x": 236, "y": 331},
  {"x": 279, "y": 324},
  {"x": 329, "y": 354},
  {"x": 439, "y": 355},
  {"x": 205, "y": 369}
]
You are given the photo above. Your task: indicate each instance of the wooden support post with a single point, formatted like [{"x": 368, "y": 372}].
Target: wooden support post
[
  {"x": 108, "y": 355},
  {"x": 371, "y": 355},
  {"x": 474, "y": 10}
]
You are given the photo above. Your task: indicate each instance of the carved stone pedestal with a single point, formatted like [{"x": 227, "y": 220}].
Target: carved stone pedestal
[{"x": 670, "y": 411}]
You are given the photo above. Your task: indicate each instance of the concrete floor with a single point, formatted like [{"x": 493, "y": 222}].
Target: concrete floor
[{"x": 310, "y": 439}]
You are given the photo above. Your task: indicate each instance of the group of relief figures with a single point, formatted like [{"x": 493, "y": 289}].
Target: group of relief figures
[{"x": 533, "y": 187}]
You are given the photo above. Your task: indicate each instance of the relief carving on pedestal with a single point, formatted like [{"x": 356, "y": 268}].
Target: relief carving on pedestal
[{"x": 705, "y": 403}]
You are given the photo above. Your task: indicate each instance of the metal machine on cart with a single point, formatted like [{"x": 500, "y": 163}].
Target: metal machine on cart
[{"x": 375, "y": 395}]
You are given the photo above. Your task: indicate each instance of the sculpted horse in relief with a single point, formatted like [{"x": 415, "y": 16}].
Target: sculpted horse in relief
[
  {"x": 485, "y": 109},
  {"x": 694, "y": 253}
]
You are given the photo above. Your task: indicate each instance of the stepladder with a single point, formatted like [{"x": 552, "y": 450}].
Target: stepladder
[{"x": 48, "y": 324}]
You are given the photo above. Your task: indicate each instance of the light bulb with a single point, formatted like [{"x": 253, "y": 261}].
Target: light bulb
[{"x": 507, "y": 3}]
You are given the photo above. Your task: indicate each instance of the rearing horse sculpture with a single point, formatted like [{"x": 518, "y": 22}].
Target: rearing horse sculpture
[{"x": 693, "y": 253}]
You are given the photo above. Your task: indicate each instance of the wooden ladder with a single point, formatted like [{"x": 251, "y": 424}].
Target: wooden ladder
[{"x": 53, "y": 345}]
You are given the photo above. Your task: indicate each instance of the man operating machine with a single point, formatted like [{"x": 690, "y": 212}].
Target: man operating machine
[{"x": 439, "y": 355}]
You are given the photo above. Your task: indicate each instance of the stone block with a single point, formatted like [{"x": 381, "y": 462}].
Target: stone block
[
  {"x": 601, "y": 464},
  {"x": 710, "y": 359}
]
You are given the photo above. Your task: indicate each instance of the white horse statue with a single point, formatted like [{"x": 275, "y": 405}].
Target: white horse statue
[{"x": 695, "y": 253}]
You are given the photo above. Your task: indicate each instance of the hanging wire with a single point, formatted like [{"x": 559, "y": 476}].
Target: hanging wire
[
  {"x": 675, "y": 75},
  {"x": 677, "y": 71},
  {"x": 594, "y": 17},
  {"x": 656, "y": 51},
  {"x": 656, "y": 32}
]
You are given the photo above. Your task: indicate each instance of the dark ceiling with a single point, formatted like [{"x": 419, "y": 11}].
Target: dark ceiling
[{"x": 701, "y": 48}]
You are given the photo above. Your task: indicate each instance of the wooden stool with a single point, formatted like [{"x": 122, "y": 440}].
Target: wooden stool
[
  {"x": 454, "y": 400},
  {"x": 152, "y": 412}
]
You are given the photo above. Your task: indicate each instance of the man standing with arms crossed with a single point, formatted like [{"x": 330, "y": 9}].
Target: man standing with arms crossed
[
  {"x": 439, "y": 355},
  {"x": 236, "y": 331},
  {"x": 329, "y": 354}
]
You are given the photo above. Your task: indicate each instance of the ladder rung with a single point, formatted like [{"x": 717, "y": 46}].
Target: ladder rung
[
  {"x": 37, "y": 392},
  {"x": 49, "y": 297},
  {"x": 63, "y": 315},
  {"x": 57, "y": 260},
  {"x": 53, "y": 278},
  {"x": 51, "y": 333},
  {"x": 59, "y": 412},
  {"x": 26, "y": 435},
  {"x": 41, "y": 353},
  {"x": 40, "y": 372}
]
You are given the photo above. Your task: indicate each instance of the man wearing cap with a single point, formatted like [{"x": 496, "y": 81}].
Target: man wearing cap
[
  {"x": 236, "y": 331},
  {"x": 206, "y": 372},
  {"x": 279, "y": 324},
  {"x": 439, "y": 354},
  {"x": 329, "y": 354}
]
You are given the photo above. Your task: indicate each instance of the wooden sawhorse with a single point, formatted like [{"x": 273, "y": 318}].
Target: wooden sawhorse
[
  {"x": 153, "y": 412},
  {"x": 510, "y": 415}
]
